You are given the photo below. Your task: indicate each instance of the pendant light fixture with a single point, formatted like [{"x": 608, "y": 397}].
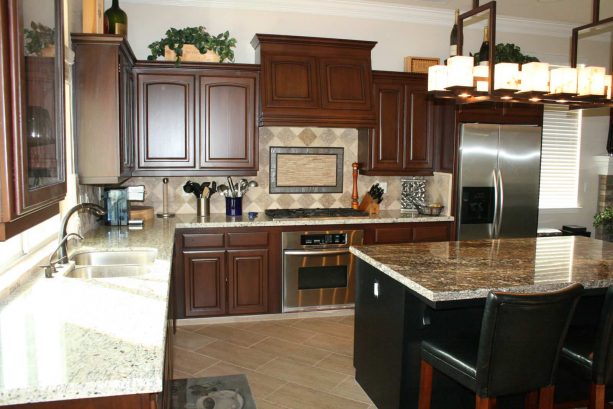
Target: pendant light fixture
[{"x": 577, "y": 86}]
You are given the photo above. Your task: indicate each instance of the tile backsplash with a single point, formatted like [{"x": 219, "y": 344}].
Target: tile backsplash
[{"x": 259, "y": 199}]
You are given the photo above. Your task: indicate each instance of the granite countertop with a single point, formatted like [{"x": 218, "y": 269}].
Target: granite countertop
[
  {"x": 462, "y": 270},
  {"x": 221, "y": 220},
  {"x": 68, "y": 338}
]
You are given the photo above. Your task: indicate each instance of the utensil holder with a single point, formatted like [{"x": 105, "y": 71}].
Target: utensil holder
[
  {"x": 234, "y": 206},
  {"x": 203, "y": 207}
]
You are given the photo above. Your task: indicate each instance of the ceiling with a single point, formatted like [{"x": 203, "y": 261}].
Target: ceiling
[{"x": 573, "y": 11}]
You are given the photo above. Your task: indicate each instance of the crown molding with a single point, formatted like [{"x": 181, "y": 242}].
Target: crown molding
[{"x": 373, "y": 10}]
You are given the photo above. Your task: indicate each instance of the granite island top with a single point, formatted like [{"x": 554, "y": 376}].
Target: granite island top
[
  {"x": 221, "y": 220},
  {"x": 70, "y": 338},
  {"x": 462, "y": 270}
]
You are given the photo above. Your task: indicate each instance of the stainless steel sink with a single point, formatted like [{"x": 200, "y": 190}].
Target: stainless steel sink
[
  {"x": 107, "y": 271},
  {"x": 114, "y": 258}
]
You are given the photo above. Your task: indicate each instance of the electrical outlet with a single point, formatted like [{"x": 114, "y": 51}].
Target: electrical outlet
[{"x": 383, "y": 186}]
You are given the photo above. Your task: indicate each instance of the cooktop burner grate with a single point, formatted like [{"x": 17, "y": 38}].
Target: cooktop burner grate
[{"x": 309, "y": 213}]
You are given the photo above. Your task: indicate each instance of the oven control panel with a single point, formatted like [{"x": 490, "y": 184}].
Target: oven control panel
[{"x": 319, "y": 239}]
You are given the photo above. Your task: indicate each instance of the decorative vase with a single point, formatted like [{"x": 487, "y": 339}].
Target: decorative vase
[{"x": 191, "y": 53}]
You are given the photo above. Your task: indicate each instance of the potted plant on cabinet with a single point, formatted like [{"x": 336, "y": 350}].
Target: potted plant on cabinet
[
  {"x": 193, "y": 44},
  {"x": 39, "y": 40},
  {"x": 605, "y": 219}
]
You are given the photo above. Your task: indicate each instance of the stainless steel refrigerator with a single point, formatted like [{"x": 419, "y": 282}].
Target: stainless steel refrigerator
[{"x": 498, "y": 185}]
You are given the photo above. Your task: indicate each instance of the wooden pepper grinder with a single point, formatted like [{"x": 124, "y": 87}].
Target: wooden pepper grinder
[{"x": 354, "y": 193}]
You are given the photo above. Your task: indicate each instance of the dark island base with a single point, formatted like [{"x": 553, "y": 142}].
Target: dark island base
[{"x": 388, "y": 331}]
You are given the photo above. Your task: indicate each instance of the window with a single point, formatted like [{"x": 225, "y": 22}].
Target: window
[
  {"x": 560, "y": 157},
  {"x": 13, "y": 249}
]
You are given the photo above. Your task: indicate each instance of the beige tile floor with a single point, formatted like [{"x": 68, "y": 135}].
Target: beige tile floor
[{"x": 290, "y": 364}]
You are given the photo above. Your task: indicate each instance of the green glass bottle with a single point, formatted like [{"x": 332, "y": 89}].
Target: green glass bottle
[{"x": 116, "y": 20}]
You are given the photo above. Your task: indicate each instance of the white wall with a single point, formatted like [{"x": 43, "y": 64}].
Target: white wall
[
  {"x": 396, "y": 39},
  {"x": 593, "y": 143}
]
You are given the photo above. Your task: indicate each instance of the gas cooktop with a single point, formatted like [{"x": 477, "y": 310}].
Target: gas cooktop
[{"x": 314, "y": 213}]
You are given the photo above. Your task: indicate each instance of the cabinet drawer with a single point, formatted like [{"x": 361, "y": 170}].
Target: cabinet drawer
[
  {"x": 431, "y": 233},
  {"x": 389, "y": 235},
  {"x": 203, "y": 240},
  {"x": 255, "y": 239}
]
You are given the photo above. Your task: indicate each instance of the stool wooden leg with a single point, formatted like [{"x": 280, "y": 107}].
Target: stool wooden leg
[
  {"x": 597, "y": 396},
  {"x": 532, "y": 400},
  {"x": 546, "y": 397},
  {"x": 425, "y": 386},
  {"x": 485, "y": 402}
]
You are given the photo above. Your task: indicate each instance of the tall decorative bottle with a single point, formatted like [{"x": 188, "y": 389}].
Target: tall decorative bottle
[
  {"x": 453, "y": 37},
  {"x": 116, "y": 20},
  {"x": 484, "y": 51}
]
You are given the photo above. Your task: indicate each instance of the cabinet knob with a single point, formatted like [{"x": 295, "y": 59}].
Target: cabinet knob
[{"x": 375, "y": 289}]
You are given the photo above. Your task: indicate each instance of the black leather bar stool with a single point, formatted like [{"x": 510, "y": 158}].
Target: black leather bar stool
[
  {"x": 516, "y": 351},
  {"x": 590, "y": 353}
]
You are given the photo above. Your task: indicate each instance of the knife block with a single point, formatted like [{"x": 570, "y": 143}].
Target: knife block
[{"x": 369, "y": 205}]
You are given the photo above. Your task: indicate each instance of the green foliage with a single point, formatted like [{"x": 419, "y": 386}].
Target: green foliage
[
  {"x": 222, "y": 43},
  {"x": 509, "y": 52},
  {"x": 604, "y": 218},
  {"x": 38, "y": 37}
]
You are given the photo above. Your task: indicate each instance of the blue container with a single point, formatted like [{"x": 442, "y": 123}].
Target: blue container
[{"x": 234, "y": 206}]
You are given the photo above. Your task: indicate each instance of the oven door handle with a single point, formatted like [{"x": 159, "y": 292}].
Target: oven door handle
[{"x": 315, "y": 252}]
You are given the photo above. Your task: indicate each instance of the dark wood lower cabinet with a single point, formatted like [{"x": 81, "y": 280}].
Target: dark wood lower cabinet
[
  {"x": 205, "y": 283},
  {"x": 233, "y": 271},
  {"x": 247, "y": 281}
]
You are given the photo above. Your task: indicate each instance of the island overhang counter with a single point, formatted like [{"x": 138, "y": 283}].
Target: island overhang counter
[{"x": 406, "y": 292}]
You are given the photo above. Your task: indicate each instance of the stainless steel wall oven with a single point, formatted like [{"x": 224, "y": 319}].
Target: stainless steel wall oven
[{"x": 318, "y": 269}]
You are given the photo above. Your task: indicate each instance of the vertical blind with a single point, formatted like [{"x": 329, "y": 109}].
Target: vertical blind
[{"x": 560, "y": 157}]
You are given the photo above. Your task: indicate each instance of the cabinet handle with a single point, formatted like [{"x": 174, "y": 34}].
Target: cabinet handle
[{"x": 375, "y": 289}]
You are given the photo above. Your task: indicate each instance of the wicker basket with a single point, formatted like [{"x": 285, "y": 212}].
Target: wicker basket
[{"x": 192, "y": 54}]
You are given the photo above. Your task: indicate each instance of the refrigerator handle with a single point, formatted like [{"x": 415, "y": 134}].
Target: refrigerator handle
[
  {"x": 496, "y": 200},
  {"x": 500, "y": 201}
]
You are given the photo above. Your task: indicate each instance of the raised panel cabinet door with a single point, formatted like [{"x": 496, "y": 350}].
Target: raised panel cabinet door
[
  {"x": 166, "y": 127},
  {"x": 419, "y": 152},
  {"x": 205, "y": 283},
  {"x": 290, "y": 82},
  {"x": 247, "y": 281},
  {"x": 387, "y": 140},
  {"x": 227, "y": 123},
  {"x": 345, "y": 83}
]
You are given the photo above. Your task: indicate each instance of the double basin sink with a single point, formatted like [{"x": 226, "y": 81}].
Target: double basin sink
[{"x": 109, "y": 263}]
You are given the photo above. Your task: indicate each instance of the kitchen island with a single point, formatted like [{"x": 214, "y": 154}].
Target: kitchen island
[{"x": 406, "y": 292}]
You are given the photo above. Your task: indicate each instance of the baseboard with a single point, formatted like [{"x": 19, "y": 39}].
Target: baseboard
[{"x": 264, "y": 317}]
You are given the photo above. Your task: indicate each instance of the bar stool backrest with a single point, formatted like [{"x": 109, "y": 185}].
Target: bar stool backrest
[
  {"x": 602, "y": 364},
  {"x": 521, "y": 338}
]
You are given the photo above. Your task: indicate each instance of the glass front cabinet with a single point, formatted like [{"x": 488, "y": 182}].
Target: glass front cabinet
[{"x": 32, "y": 165}]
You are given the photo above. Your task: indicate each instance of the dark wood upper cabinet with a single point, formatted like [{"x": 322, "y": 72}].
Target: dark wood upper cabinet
[
  {"x": 104, "y": 108},
  {"x": 197, "y": 119},
  {"x": 444, "y": 125},
  {"x": 402, "y": 143},
  {"x": 309, "y": 81},
  {"x": 228, "y": 137},
  {"x": 501, "y": 113},
  {"x": 32, "y": 160},
  {"x": 166, "y": 131}
]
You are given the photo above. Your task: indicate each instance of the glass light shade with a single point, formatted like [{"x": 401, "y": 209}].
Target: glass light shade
[
  {"x": 460, "y": 71},
  {"x": 563, "y": 81},
  {"x": 608, "y": 83},
  {"x": 481, "y": 74},
  {"x": 591, "y": 81},
  {"x": 534, "y": 77},
  {"x": 437, "y": 78},
  {"x": 506, "y": 76}
]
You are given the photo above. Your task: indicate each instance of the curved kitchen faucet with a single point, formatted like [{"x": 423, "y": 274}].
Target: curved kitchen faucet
[{"x": 90, "y": 207}]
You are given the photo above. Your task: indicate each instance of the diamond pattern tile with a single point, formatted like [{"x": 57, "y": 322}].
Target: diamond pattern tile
[{"x": 259, "y": 198}]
